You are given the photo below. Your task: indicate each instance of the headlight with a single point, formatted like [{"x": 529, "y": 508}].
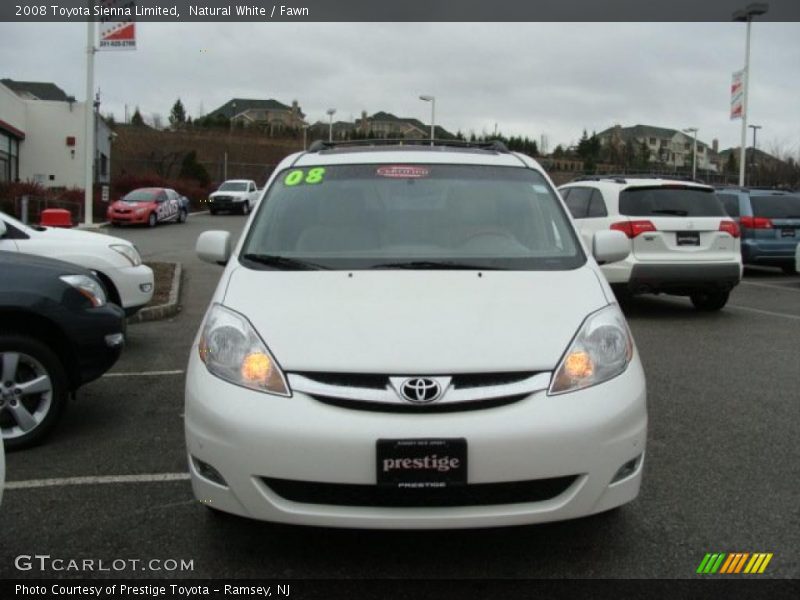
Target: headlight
[
  {"x": 128, "y": 252},
  {"x": 141, "y": 211},
  {"x": 232, "y": 350},
  {"x": 87, "y": 286},
  {"x": 601, "y": 350}
]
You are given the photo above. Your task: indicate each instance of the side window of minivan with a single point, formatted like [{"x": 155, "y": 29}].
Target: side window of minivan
[
  {"x": 731, "y": 204},
  {"x": 578, "y": 202},
  {"x": 597, "y": 206}
]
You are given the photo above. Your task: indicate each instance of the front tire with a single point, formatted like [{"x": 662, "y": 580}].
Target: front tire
[
  {"x": 246, "y": 208},
  {"x": 709, "y": 301},
  {"x": 152, "y": 220},
  {"x": 33, "y": 390},
  {"x": 789, "y": 269},
  {"x": 182, "y": 216},
  {"x": 212, "y": 211}
]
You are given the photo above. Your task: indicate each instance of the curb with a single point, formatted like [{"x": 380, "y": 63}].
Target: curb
[{"x": 162, "y": 311}]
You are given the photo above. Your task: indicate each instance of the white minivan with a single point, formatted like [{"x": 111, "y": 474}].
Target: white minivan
[{"x": 413, "y": 336}]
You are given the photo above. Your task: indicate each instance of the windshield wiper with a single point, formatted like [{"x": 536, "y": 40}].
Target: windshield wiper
[
  {"x": 283, "y": 262},
  {"x": 435, "y": 264},
  {"x": 671, "y": 211}
]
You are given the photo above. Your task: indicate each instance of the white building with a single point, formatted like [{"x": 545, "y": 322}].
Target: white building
[{"x": 41, "y": 136}]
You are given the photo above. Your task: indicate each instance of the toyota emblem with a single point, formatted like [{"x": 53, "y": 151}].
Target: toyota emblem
[{"x": 420, "y": 390}]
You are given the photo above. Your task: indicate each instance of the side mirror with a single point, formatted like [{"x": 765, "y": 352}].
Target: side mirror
[
  {"x": 610, "y": 246},
  {"x": 214, "y": 247},
  {"x": 2, "y": 228}
]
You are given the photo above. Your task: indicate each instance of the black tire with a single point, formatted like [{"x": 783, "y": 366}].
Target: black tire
[
  {"x": 789, "y": 269},
  {"x": 152, "y": 219},
  {"x": 709, "y": 301},
  {"x": 213, "y": 211},
  {"x": 182, "y": 216},
  {"x": 245, "y": 210},
  {"x": 30, "y": 351}
]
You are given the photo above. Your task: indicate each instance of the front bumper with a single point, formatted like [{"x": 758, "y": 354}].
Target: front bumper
[
  {"x": 226, "y": 203},
  {"x": 98, "y": 335},
  {"x": 247, "y": 436},
  {"x": 127, "y": 218},
  {"x": 135, "y": 286}
]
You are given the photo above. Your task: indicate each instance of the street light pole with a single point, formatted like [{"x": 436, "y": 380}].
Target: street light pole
[
  {"x": 432, "y": 100},
  {"x": 330, "y": 112},
  {"x": 694, "y": 150},
  {"x": 753, "y": 162},
  {"x": 746, "y": 15}
]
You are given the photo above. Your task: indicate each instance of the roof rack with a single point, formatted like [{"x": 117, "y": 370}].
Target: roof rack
[
  {"x": 495, "y": 145},
  {"x": 624, "y": 178}
]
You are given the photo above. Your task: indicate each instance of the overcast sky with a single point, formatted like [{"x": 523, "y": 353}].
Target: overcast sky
[{"x": 529, "y": 78}]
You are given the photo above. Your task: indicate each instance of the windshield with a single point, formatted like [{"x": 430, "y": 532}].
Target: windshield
[
  {"x": 233, "y": 186},
  {"x": 776, "y": 207},
  {"x": 146, "y": 195},
  {"x": 670, "y": 202},
  {"x": 411, "y": 216}
]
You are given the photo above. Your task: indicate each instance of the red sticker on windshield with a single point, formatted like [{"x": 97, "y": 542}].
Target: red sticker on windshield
[{"x": 403, "y": 172}]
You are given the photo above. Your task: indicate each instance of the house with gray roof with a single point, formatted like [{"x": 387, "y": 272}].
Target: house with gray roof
[
  {"x": 668, "y": 147},
  {"x": 266, "y": 114}
]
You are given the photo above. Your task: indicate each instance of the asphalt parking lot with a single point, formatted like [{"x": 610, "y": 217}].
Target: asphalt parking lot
[{"x": 722, "y": 470}]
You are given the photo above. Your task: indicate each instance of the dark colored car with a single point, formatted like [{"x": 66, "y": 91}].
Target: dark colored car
[
  {"x": 57, "y": 332},
  {"x": 148, "y": 206},
  {"x": 770, "y": 224}
]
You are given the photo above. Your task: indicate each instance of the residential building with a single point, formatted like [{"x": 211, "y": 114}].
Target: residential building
[
  {"x": 267, "y": 114},
  {"x": 42, "y": 133},
  {"x": 669, "y": 148},
  {"x": 383, "y": 124}
]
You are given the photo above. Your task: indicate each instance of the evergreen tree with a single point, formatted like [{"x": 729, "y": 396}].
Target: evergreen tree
[
  {"x": 191, "y": 169},
  {"x": 136, "y": 119},
  {"x": 177, "y": 116}
]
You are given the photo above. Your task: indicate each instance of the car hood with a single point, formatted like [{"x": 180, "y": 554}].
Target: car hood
[
  {"x": 415, "y": 322},
  {"x": 232, "y": 194},
  {"x": 76, "y": 236},
  {"x": 133, "y": 205}
]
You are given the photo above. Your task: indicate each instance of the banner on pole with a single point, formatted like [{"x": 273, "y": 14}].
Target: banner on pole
[
  {"x": 117, "y": 32},
  {"x": 737, "y": 95}
]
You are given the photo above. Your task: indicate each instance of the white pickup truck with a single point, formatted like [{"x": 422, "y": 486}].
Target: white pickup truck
[{"x": 238, "y": 195}]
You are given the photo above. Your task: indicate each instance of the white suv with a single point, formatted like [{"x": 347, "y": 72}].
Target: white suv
[
  {"x": 682, "y": 241},
  {"x": 116, "y": 262},
  {"x": 413, "y": 337}
]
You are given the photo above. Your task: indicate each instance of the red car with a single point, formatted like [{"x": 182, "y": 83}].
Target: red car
[{"x": 148, "y": 206}]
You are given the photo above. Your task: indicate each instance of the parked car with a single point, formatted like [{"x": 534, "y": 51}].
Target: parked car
[
  {"x": 148, "y": 206},
  {"x": 239, "y": 195},
  {"x": 115, "y": 261},
  {"x": 770, "y": 224},
  {"x": 681, "y": 240},
  {"x": 413, "y": 336},
  {"x": 797, "y": 258},
  {"x": 2, "y": 471},
  {"x": 57, "y": 332}
]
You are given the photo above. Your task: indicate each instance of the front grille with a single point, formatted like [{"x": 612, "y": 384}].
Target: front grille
[
  {"x": 381, "y": 392},
  {"x": 420, "y": 409},
  {"x": 356, "y": 380},
  {"x": 476, "y": 494},
  {"x": 379, "y": 382}
]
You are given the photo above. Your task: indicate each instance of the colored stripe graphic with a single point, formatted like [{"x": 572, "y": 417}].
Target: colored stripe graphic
[{"x": 734, "y": 563}]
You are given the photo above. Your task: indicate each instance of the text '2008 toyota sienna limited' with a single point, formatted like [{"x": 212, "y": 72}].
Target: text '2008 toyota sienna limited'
[{"x": 413, "y": 337}]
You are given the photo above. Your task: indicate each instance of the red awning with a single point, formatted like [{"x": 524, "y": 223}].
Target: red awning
[{"x": 20, "y": 135}]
